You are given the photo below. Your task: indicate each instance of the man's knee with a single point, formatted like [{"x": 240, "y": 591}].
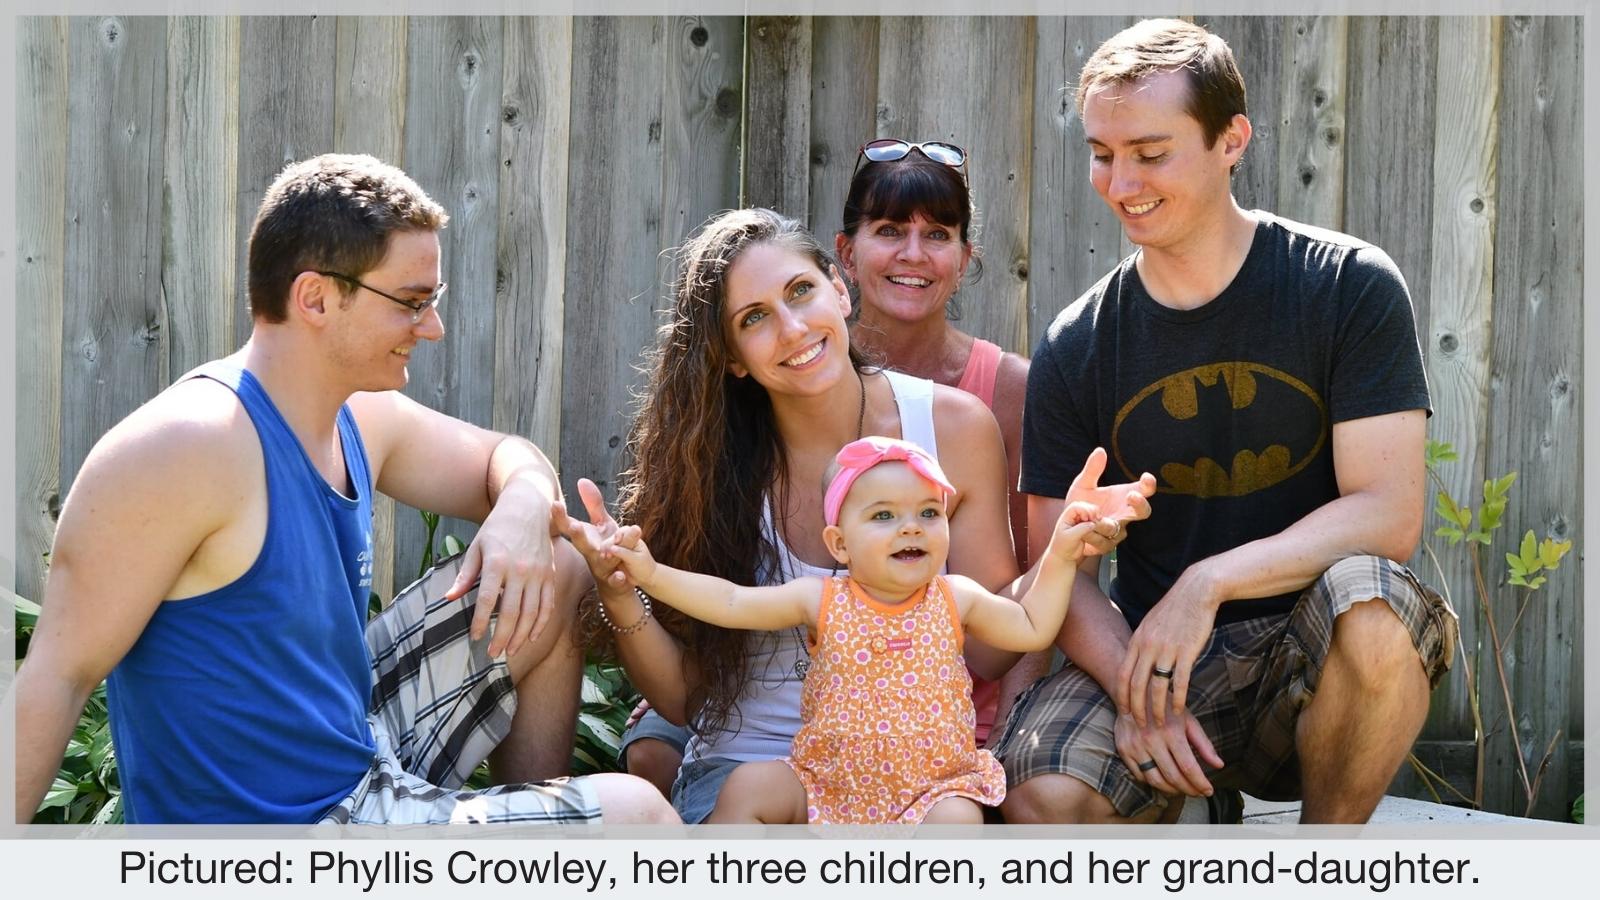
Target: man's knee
[
  {"x": 1375, "y": 646},
  {"x": 1060, "y": 800},
  {"x": 626, "y": 800}
]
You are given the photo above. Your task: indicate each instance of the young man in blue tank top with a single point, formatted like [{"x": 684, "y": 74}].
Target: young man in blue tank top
[
  {"x": 1265, "y": 636},
  {"x": 214, "y": 559}
]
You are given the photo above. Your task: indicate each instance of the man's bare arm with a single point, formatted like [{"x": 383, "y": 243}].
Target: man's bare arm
[
  {"x": 1378, "y": 462},
  {"x": 432, "y": 461},
  {"x": 145, "y": 500}
]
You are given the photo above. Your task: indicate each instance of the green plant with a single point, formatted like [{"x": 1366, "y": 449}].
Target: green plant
[
  {"x": 1577, "y": 810},
  {"x": 1526, "y": 569}
]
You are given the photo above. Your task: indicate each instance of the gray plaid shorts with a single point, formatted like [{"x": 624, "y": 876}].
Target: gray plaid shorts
[
  {"x": 1247, "y": 689},
  {"x": 439, "y": 705}
]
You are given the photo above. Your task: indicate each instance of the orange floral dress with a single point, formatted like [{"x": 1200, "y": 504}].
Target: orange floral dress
[{"x": 886, "y": 712}]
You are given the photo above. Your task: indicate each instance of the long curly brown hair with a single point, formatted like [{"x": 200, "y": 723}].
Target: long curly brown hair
[{"x": 705, "y": 450}]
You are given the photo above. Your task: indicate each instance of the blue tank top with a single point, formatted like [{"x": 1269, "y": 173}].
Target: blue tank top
[{"x": 249, "y": 703}]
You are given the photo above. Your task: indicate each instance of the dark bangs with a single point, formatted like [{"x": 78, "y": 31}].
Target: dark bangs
[{"x": 898, "y": 190}]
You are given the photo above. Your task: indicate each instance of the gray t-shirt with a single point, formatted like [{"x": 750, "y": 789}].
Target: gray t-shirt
[{"x": 1230, "y": 406}]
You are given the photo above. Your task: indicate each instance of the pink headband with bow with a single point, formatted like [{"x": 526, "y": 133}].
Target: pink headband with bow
[{"x": 860, "y": 455}]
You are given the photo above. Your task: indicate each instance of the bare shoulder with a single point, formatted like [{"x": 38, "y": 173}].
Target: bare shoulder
[
  {"x": 190, "y": 430},
  {"x": 1010, "y": 390},
  {"x": 190, "y": 454},
  {"x": 957, "y": 412}
]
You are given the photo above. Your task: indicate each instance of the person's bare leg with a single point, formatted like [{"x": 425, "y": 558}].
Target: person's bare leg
[
  {"x": 767, "y": 792},
  {"x": 955, "y": 811},
  {"x": 549, "y": 675},
  {"x": 1064, "y": 800},
  {"x": 626, "y": 800},
  {"x": 1369, "y": 707},
  {"x": 654, "y": 760}
]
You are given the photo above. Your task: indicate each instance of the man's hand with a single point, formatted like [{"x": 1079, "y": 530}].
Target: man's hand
[
  {"x": 1162, "y": 651},
  {"x": 512, "y": 562},
  {"x": 1172, "y": 748},
  {"x": 1118, "y": 504}
]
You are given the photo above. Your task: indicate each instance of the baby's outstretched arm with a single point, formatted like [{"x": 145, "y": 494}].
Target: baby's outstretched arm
[
  {"x": 707, "y": 598},
  {"x": 1033, "y": 622}
]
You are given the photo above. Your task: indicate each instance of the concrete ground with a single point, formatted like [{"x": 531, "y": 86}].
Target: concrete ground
[{"x": 1391, "y": 811}]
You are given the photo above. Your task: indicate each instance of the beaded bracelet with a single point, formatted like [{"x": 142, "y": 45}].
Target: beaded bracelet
[{"x": 643, "y": 618}]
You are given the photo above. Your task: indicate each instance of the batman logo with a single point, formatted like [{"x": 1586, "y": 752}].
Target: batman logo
[{"x": 1262, "y": 426}]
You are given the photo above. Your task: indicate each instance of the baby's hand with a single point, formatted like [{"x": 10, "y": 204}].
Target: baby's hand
[
  {"x": 627, "y": 547},
  {"x": 1077, "y": 522}
]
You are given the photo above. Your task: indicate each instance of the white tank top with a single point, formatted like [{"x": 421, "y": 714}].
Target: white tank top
[{"x": 766, "y": 716}]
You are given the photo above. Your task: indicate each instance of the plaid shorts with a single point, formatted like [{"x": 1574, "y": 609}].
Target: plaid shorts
[
  {"x": 1247, "y": 690},
  {"x": 439, "y": 705}
]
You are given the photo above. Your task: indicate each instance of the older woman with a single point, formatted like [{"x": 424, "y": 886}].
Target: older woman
[
  {"x": 906, "y": 243},
  {"x": 754, "y": 387}
]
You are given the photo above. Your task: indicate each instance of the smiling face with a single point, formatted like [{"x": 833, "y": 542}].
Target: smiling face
[
  {"x": 905, "y": 270},
  {"x": 893, "y": 533},
  {"x": 1151, "y": 163},
  {"x": 784, "y": 321},
  {"x": 372, "y": 337}
]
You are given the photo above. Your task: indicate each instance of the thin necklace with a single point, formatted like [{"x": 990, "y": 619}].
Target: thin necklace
[{"x": 802, "y": 665}]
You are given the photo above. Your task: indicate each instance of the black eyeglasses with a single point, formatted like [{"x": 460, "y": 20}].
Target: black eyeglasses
[
  {"x": 419, "y": 308},
  {"x": 891, "y": 149}
]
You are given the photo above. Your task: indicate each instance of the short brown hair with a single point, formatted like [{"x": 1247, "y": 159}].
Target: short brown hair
[
  {"x": 333, "y": 212},
  {"x": 1153, "y": 46}
]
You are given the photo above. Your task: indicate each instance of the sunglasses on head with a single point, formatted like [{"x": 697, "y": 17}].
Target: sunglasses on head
[{"x": 891, "y": 149}]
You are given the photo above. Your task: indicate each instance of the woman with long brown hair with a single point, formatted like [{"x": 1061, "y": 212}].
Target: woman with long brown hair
[{"x": 754, "y": 387}]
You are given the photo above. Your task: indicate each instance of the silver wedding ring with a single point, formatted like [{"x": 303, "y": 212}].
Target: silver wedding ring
[{"x": 1161, "y": 673}]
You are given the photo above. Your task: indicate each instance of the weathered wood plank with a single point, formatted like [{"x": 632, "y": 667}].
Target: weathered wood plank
[
  {"x": 994, "y": 125},
  {"x": 286, "y": 90},
  {"x": 369, "y": 107},
  {"x": 369, "y": 103},
  {"x": 112, "y": 319},
  {"x": 455, "y": 67},
  {"x": 1311, "y": 131},
  {"x": 1537, "y": 358},
  {"x": 535, "y": 139},
  {"x": 200, "y": 246},
  {"x": 1392, "y": 93},
  {"x": 844, "y": 105},
  {"x": 777, "y": 158},
  {"x": 614, "y": 226},
  {"x": 1257, "y": 44},
  {"x": 1457, "y": 332},
  {"x": 1074, "y": 239},
  {"x": 701, "y": 109},
  {"x": 41, "y": 183}
]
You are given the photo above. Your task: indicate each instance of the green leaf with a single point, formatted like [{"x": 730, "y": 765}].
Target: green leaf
[
  {"x": 1536, "y": 582},
  {"x": 1551, "y": 551},
  {"x": 1530, "y": 551},
  {"x": 1514, "y": 566},
  {"x": 27, "y": 611},
  {"x": 1577, "y": 810},
  {"x": 592, "y": 693},
  {"x": 1454, "y": 534},
  {"x": 595, "y": 730},
  {"x": 62, "y": 792},
  {"x": 1436, "y": 452},
  {"x": 453, "y": 545}
]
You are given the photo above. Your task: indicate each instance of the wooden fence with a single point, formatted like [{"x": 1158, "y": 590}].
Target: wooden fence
[{"x": 571, "y": 152}]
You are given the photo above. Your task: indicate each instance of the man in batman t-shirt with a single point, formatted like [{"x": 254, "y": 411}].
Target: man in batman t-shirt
[{"x": 1265, "y": 636}]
